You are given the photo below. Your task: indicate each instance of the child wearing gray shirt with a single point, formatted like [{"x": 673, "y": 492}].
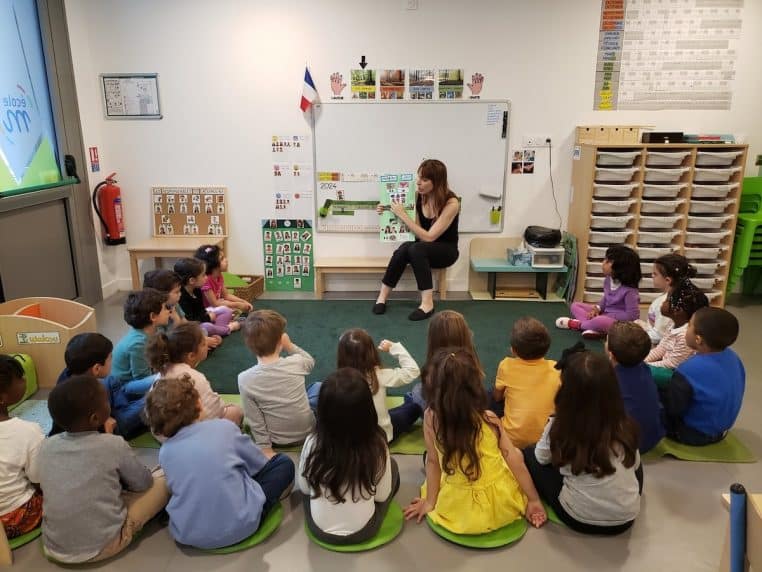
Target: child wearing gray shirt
[
  {"x": 96, "y": 494},
  {"x": 276, "y": 405}
]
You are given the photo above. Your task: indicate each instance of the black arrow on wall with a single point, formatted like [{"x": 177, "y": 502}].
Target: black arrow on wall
[{"x": 363, "y": 63}]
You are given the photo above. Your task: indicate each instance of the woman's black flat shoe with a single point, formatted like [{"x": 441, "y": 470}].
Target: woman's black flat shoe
[
  {"x": 379, "y": 308},
  {"x": 417, "y": 315}
]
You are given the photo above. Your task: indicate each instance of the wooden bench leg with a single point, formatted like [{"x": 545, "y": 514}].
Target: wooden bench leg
[
  {"x": 442, "y": 283},
  {"x": 319, "y": 286}
]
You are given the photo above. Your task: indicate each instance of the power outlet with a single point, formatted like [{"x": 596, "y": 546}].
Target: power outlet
[{"x": 536, "y": 140}]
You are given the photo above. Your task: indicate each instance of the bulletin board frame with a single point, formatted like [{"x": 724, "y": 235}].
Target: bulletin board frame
[
  {"x": 122, "y": 97},
  {"x": 189, "y": 211}
]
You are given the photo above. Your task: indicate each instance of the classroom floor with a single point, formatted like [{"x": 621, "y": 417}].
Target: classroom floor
[{"x": 680, "y": 527}]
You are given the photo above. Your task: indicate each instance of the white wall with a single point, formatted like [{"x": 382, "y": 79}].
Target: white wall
[{"x": 231, "y": 76}]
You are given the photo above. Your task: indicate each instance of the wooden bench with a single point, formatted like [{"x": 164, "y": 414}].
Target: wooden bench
[
  {"x": 345, "y": 265},
  {"x": 166, "y": 247}
]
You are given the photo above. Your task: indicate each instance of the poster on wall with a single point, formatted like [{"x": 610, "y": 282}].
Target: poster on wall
[
  {"x": 293, "y": 180},
  {"x": 392, "y": 84},
  {"x": 363, "y": 84},
  {"x": 189, "y": 211},
  {"x": 396, "y": 189},
  {"x": 288, "y": 255},
  {"x": 131, "y": 96},
  {"x": 657, "y": 56},
  {"x": 450, "y": 84},
  {"x": 422, "y": 83}
]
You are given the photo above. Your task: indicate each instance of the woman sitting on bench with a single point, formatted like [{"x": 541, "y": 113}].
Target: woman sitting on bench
[{"x": 436, "y": 237}]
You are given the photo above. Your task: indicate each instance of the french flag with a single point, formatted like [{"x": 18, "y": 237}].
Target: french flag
[{"x": 309, "y": 93}]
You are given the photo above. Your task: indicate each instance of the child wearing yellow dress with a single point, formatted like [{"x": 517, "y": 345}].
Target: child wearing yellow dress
[{"x": 476, "y": 480}]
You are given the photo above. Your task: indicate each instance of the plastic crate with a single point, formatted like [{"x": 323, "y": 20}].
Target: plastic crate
[{"x": 246, "y": 286}]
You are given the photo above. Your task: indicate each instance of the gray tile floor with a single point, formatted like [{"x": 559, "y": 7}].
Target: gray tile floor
[{"x": 681, "y": 525}]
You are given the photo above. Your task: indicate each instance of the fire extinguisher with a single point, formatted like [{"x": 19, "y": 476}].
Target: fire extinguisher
[{"x": 107, "y": 202}]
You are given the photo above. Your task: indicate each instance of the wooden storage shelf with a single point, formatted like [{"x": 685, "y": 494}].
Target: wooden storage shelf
[{"x": 670, "y": 195}]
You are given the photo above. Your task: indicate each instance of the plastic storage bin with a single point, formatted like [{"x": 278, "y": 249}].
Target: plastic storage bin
[
  {"x": 697, "y": 237},
  {"x": 704, "y": 252},
  {"x": 718, "y": 175},
  {"x": 658, "y": 222},
  {"x": 666, "y": 158},
  {"x": 649, "y": 296},
  {"x": 594, "y": 282},
  {"x": 646, "y": 283},
  {"x": 665, "y": 175},
  {"x": 716, "y": 158},
  {"x": 609, "y": 237},
  {"x": 547, "y": 257},
  {"x": 707, "y": 222},
  {"x": 717, "y": 206},
  {"x": 665, "y": 207},
  {"x": 646, "y": 268},
  {"x": 596, "y": 252},
  {"x": 667, "y": 191},
  {"x": 594, "y": 267},
  {"x": 622, "y": 175},
  {"x": 718, "y": 191},
  {"x": 616, "y": 158},
  {"x": 704, "y": 283},
  {"x": 611, "y": 191},
  {"x": 610, "y": 222},
  {"x": 712, "y": 295},
  {"x": 612, "y": 207},
  {"x": 653, "y": 252},
  {"x": 592, "y": 296},
  {"x": 656, "y": 237},
  {"x": 708, "y": 268}
]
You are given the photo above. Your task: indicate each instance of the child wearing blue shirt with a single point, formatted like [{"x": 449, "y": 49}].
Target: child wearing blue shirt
[
  {"x": 703, "y": 398},
  {"x": 627, "y": 346},
  {"x": 222, "y": 485},
  {"x": 144, "y": 311}
]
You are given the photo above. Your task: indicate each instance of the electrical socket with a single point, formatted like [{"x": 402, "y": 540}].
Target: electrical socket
[{"x": 536, "y": 140}]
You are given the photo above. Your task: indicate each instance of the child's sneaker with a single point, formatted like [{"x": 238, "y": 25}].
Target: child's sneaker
[
  {"x": 568, "y": 324},
  {"x": 593, "y": 335}
]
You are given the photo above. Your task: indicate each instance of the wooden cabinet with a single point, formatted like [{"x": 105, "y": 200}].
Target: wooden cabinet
[{"x": 656, "y": 198}]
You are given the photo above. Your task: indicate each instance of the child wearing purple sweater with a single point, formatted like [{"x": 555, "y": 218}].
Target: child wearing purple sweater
[{"x": 620, "y": 301}]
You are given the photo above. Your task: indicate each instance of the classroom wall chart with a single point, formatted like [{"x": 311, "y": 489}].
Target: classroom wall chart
[
  {"x": 400, "y": 189},
  {"x": 189, "y": 211},
  {"x": 667, "y": 54},
  {"x": 293, "y": 178},
  {"x": 288, "y": 255}
]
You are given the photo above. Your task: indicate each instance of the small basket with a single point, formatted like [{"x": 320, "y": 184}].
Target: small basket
[{"x": 255, "y": 286}]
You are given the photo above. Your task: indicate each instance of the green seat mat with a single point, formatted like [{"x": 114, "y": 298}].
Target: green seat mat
[
  {"x": 509, "y": 534},
  {"x": 729, "y": 450},
  {"x": 266, "y": 528},
  {"x": 552, "y": 516},
  {"x": 390, "y": 529},
  {"x": 233, "y": 280},
  {"x": 147, "y": 441},
  {"x": 20, "y": 541}
]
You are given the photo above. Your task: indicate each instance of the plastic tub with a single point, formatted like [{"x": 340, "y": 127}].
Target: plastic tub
[
  {"x": 665, "y": 175},
  {"x": 719, "y": 175},
  {"x": 610, "y": 222},
  {"x": 653, "y": 252},
  {"x": 646, "y": 268},
  {"x": 609, "y": 237},
  {"x": 704, "y": 283},
  {"x": 657, "y": 222},
  {"x": 592, "y": 296},
  {"x": 594, "y": 267},
  {"x": 596, "y": 252},
  {"x": 651, "y": 191},
  {"x": 666, "y": 207},
  {"x": 696, "y": 237},
  {"x": 716, "y": 158},
  {"x": 646, "y": 283},
  {"x": 666, "y": 158},
  {"x": 707, "y": 222},
  {"x": 714, "y": 294},
  {"x": 623, "y": 175},
  {"x": 655, "y": 237},
  {"x": 704, "y": 252},
  {"x": 719, "y": 191},
  {"x": 594, "y": 282},
  {"x": 612, "y": 207},
  {"x": 708, "y": 268},
  {"x": 616, "y": 158},
  {"x": 717, "y": 206},
  {"x": 610, "y": 191},
  {"x": 649, "y": 296}
]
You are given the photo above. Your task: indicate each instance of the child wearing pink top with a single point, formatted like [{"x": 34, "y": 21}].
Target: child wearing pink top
[{"x": 214, "y": 288}]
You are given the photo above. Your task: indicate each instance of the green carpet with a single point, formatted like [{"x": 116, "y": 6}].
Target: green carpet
[{"x": 316, "y": 325}]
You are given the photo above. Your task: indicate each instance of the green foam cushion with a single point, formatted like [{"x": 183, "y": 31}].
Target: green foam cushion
[
  {"x": 390, "y": 529},
  {"x": 552, "y": 516},
  {"x": 266, "y": 528},
  {"x": 233, "y": 280},
  {"x": 24, "y": 538},
  {"x": 501, "y": 537},
  {"x": 729, "y": 450}
]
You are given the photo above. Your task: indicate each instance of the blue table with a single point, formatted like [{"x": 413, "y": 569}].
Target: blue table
[{"x": 494, "y": 265}]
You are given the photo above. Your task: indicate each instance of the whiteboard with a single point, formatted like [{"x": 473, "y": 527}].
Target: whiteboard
[{"x": 363, "y": 140}]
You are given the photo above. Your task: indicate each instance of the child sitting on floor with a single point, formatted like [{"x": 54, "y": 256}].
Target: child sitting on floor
[
  {"x": 627, "y": 345},
  {"x": 704, "y": 396},
  {"x": 222, "y": 485},
  {"x": 586, "y": 464},
  {"x": 345, "y": 472},
  {"x": 217, "y": 321},
  {"x": 177, "y": 353},
  {"x": 20, "y": 441},
  {"x": 144, "y": 310},
  {"x": 90, "y": 354},
  {"x": 527, "y": 383},
  {"x": 620, "y": 296},
  {"x": 476, "y": 480},
  {"x": 214, "y": 286},
  {"x": 357, "y": 350},
  {"x": 673, "y": 350},
  {"x": 98, "y": 495},
  {"x": 276, "y": 405}
]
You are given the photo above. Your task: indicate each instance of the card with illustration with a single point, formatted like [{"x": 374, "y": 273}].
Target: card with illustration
[{"x": 398, "y": 189}]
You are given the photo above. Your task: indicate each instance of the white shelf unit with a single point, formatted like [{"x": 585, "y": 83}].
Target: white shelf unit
[{"x": 659, "y": 198}]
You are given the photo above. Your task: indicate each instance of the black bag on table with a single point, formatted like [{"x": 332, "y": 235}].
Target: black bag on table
[{"x": 542, "y": 236}]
